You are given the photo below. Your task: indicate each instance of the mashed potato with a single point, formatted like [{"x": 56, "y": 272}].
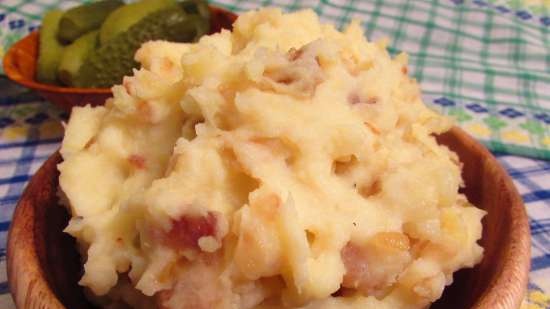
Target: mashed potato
[{"x": 281, "y": 165}]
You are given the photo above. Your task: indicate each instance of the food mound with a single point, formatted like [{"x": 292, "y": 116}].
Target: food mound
[{"x": 284, "y": 164}]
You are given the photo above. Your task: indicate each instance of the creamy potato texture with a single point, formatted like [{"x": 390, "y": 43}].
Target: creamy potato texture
[{"x": 284, "y": 164}]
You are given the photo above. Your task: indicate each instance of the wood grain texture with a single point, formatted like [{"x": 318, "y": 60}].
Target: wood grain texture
[
  {"x": 28, "y": 274},
  {"x": 20, "y": 66},
  {"x": 44, "y": 266},
  {"x": 500, "y": 280}
]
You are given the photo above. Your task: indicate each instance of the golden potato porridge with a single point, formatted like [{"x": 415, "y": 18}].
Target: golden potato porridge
[{"x": 284, "y": 164}]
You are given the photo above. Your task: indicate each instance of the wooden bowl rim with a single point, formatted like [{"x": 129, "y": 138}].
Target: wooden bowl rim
[
  {"x": 14, "y": 73},
  {"x": 506, "y": 292},
  {"x": 509, "y": 289},
  {"x": 28, "y": 273}
]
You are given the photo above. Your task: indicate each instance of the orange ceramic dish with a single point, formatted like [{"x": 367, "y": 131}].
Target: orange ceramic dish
[{"x": 20, "y": 66}]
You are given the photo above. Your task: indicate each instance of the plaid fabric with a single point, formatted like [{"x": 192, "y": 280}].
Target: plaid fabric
[{"x": 486, "y": 63}]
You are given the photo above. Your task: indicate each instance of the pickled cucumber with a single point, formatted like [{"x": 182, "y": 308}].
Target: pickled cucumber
[
  {"x": 49, "y": 50},
  {"x": 85, "y": 18},
  {"x": 196, "y": 7},
  {"x": 124, "y": 17},
  {"x": 74, "y": 56},
  {"x": 107, "y": 65},
  {"x": 199, "y": 7}
]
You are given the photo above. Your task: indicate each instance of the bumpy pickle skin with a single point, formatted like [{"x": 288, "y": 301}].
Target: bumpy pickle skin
[
  {"x": 74, "y": 56},
  {"x": 84, "y": 18},
  {"x": 107, "y": 65},
  {"x": 126, "y": 16},
  {"x": 199, "y": 7},
  {"x": 49, "y": 50}
]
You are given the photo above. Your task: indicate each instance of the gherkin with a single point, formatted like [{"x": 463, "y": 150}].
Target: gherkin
[
  {"x": 49, "y": 48},
  {"x": 85, "y": 18},
  {"x": 74, "y": 56},
  {"x": 126, "y": 16},
  {"x": 111, "y": 62}
]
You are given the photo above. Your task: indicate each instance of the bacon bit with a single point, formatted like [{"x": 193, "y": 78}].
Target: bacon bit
[
  {"x": 354, "y": 98},
  {"x": 197, "y": 285},
  {"x": 137, "y": 161},
  {"x": 404, "y": 70},
  {"x": 187, "y": 230},
  {"x": 355, "y": 263},
  {"x": 297, "y": 73}
]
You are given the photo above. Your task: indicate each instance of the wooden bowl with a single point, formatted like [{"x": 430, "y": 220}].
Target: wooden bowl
[
  {"x": 20, "y": 66},
  {"x": 44, "y": 266}
]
